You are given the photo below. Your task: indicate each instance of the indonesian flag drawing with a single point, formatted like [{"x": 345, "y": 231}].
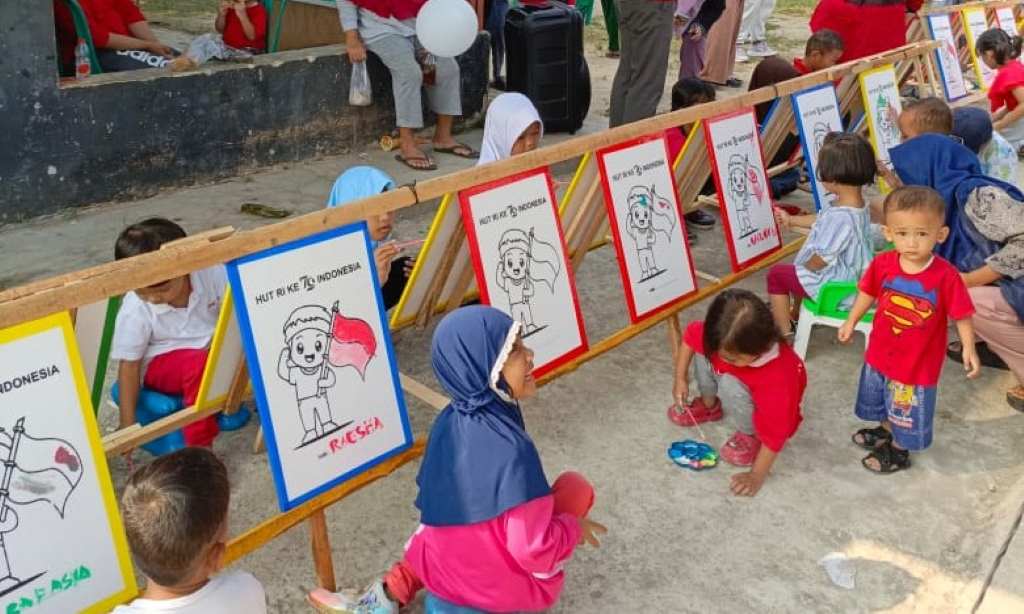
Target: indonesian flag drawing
[
  {"x": 43, "y": 469},
  {"x": 353, "y": 343}
]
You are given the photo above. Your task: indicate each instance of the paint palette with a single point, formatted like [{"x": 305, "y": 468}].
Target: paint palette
[{"x": 694, "y": 455}]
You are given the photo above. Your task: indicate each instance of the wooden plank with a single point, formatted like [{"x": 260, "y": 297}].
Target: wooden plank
[
  {"x": 423, "y": 392},
  {"x": 320, "y": 543}
]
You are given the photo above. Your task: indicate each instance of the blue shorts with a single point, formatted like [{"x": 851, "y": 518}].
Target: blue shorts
[
  {"x": 436, "y": 605},
  {"x": 910, "y": 409}
]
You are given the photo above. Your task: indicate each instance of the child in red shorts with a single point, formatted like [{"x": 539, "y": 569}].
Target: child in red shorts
[
  {"x": 916, "y": 292},
  {"x": 739, "y": 361}
]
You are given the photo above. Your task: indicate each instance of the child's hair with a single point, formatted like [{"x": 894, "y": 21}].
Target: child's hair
[
  {"x": 1003, "y": 46},
  {"x": 689, "y": 91},
  {"x": 823, "y": 41},
  {"x": 846, "y": 158},
  {"x": 173, "y": 509},
  {"x": 146, "y": 236},
  {"x": 738, "y": 321},
  {"x": 915, "y": 198},
  {"x": 930, "y": 114}
]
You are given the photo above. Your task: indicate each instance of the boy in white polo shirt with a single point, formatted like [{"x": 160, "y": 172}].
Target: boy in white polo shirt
[{"x": 163, "y": 332}]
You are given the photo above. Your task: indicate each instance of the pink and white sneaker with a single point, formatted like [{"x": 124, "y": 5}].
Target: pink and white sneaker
[{"x": 740, "y": 450}]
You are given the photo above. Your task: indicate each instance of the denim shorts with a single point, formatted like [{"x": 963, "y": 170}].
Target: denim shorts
[{"x": 909, "y": 409}]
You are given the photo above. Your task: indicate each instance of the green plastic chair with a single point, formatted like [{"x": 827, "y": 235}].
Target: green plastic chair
[
  {"x": 82, "y": 30},
  {"x": 827, "y": 311}
]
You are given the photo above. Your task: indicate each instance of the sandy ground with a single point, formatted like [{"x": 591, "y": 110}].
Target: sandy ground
[{"x": 920, "y": 541}]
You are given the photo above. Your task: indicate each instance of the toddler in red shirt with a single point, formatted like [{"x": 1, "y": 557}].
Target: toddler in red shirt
[
  {"x": 999, "y": 51},
  {"x": 242, "y": 32},
  {"x": 739, "y": 360},
  {"x": 916, "y": 291}
]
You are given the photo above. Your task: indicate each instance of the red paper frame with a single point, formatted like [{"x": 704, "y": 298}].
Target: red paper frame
[
  {"x": 481, "y": 279},
  {"x": 627, "y": 287},
  {"x": 738, "y": 266}
]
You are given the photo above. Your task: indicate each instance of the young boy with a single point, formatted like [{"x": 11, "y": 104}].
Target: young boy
[
  {"x": 823, "y": 50},
  {"x": 163, "y": 331},
  {"x": 175, "y": 513},
  {"x": 916, "y": 292},
  {"x": 923, "y": 116}
]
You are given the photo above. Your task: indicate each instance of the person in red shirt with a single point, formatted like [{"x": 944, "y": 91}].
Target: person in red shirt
[
  {"x": 999, "y": 51},
  {"x": 120, "y": 32},
  {"x": 242, "y": 28},
  {"x": 740, "y": 361},
  {"x": 916, "y": 292},
  {"x": 687, "y": 92},
  {"x": 867, "y": 27}
]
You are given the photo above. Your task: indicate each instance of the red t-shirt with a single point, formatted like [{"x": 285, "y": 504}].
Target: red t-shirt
[
  {"x": 777, "y": 388},
  {"x": 675, "y": 139},
  {"x": 865, "y": 29},
  {"x": 105, "y": 17},
  {"x": 234, "y": 34},
  {"x": 798, "y": 64},
  {"x": 908, "y": 338},
  {"x": 1008, "y": 78}
]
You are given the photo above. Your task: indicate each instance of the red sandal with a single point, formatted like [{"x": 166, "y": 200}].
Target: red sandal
[{"x": 697, "y": 413}]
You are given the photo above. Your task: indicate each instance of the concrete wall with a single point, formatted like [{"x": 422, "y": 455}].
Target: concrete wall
[{"x": 125, "y": 135}]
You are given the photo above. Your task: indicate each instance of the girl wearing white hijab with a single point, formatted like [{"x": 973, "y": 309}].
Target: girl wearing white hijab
[{"x": 512, "y": 127}]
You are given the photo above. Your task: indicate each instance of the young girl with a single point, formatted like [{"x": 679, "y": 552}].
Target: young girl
[
  {"x": 1000, "y": 52},
  {"x": 241, "y": 31},
  {"x": 740, "y": 361},
  {"x": 512, "y": 127},
  {"x": 493, "y": 535},
  {"x": 839, "y": 246}
]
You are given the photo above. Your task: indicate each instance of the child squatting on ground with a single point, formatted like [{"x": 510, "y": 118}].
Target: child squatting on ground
[
  {"x": 915, "y": 291},
  {"x": 162, "y": 334},
  {"x": 999, "y": 51},
  {"x": 839, "y": 245},
  {"x": 493, "y": 535},
  {"x": 175, "y": 513},
  {"x": 740, "y": 362}
]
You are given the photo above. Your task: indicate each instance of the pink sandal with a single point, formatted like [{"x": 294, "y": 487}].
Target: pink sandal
[
  {"x": 740, "y": 450},
  {"x": 697, "y": 413}
]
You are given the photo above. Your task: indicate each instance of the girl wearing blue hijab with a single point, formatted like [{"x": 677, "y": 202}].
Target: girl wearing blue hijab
[
  {"x": 494, "y": 536},
  {"x": 985, "y": 217},
  {"x": 361, "y": 182}
]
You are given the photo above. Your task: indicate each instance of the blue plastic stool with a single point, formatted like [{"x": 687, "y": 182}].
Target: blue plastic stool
[{"x": 153, "y": 406}]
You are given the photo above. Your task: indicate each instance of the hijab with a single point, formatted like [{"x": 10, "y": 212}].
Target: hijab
[
  {"x": 356, "y": 183},
  {"x": 479, "y": 460},
  {"x": 508, "y": 117}
]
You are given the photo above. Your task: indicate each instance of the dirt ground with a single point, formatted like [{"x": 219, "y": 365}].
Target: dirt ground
[{"x": 926, "y": 540}]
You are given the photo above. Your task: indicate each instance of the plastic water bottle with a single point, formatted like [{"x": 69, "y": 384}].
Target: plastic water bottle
[{"x": 82, "y": 66}]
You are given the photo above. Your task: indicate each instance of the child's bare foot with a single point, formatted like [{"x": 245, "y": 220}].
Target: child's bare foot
[{"x": 181, "y": 64}]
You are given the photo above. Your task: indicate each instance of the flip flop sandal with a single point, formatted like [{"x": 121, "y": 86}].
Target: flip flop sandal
[
  {"x": 431, "y": 165},
  {"x": 454, "y": 151},
  {"x": 693, "y": 455},
  {"x": 1015, "y": 401},
  {"x": 890, "y": 460},
  {"x": 870, "y": 438},
  {"x": 986, "y": 356}
]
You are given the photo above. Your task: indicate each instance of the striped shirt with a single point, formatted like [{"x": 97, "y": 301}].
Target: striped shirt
[{"x": 841, "y": 236}]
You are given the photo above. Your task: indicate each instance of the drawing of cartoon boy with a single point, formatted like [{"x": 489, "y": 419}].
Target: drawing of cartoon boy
[
  {"x": 643, "y": 222},
  {"x": 740, "y": 192},
  {"x": 303, "y": 364},
  {"x": 524, "y": 259}
]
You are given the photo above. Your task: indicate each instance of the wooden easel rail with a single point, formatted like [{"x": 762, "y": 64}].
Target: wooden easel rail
[
  {"x": 71, "y": 290},
  {"x": 956, "y": 8}
]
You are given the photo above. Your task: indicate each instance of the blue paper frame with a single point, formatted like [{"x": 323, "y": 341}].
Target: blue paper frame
[
  {"x": 249, "y": 344},
  {"x": 812, "y": 170},
  {"x": 938, "y": 64}
]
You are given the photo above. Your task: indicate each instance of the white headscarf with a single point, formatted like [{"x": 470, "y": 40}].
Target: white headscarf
[{"x": 507, "y": 118}]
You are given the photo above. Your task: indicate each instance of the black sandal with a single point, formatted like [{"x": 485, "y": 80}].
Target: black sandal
[
  {"x": 872, "y": 437},
  {"x": 890, "y": 459}
]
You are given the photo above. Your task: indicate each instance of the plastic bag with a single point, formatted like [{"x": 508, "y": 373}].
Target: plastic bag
[{"x": 359, "y": 93}]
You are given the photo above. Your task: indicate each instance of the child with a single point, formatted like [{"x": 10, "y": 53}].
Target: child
[
  {"x": 686, "y": 93},
  {"x": 925, "y": 115},
  {"x": 916, "y": 292},
  {"x": 512, "y": 126},
  {"x": 739, "y": 361},
  {"x": 175, "y": 513},
  {"x": 822, "y": 50},
  {"x": 1000, "y": 52},
  {"x": 493, "y": 535},
  {"x": 998, "y": 159},
  {"x": 163, "y": 331},
  {"x": 242, "y": 25},
  {"x": 839, "y": 246}
]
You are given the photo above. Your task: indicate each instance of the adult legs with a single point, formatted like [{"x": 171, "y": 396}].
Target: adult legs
[
  {"x": 691, "y": 57},
  {"x": 399, "y": 55},
  {"x": 445, "y": 99},
  {"x": 496, "y": 28},
  {"x": 997, "y": 324},
  {"x": 721, "y": 45},
  {"x": 646, "y": 29},
  {"x": 611, "y": 24}
]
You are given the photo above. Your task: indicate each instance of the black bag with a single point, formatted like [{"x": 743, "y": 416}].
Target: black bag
[{"x": 544, "y": 48}]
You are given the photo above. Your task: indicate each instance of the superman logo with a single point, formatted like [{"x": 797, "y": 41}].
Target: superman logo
[{"x": 906, "y": 304}]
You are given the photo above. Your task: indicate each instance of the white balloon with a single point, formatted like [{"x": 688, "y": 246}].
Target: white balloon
[{"x": 446, "y": 28}]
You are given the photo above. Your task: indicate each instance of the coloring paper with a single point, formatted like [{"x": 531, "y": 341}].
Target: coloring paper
[
  {"x": 321, "y": 360},
  {"x": 521, "y": 267},
  {"x": 224, "y": 357},
  {"x": 648, "y": 226},
  {"x": 882, "y": 109},
  {"x": 817, "y": 114},
  {"x": 1005, "y": 20},
  {"x": 948, "y": 60},
  {"x": 975, "y": 23},
  {"x": 63, "y": 547},
  {"x": 734, "y": 146}
]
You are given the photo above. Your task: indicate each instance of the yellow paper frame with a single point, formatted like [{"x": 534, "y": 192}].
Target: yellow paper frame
[
  {"x": 227, "y": 311},
  {"x": 965, "y": 20},
  {"x": 62, "y": 321},
  {"x": 869, "y": 118}
]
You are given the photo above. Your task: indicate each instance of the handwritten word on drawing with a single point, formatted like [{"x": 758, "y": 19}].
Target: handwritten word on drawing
[
  {"x": 27, "y": 602},
  {"x": 511, "y": 211},
  {"x": 760, "y": 236},
  {"x": 307, "y": 283},
  {"x": 355, "y": 434},
  {"x": 734, "y": 141},
  {"x": 639, "y": 169}
]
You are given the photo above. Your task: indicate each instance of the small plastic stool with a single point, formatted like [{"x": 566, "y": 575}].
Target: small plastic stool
[{"x": 826, "y": 311}]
